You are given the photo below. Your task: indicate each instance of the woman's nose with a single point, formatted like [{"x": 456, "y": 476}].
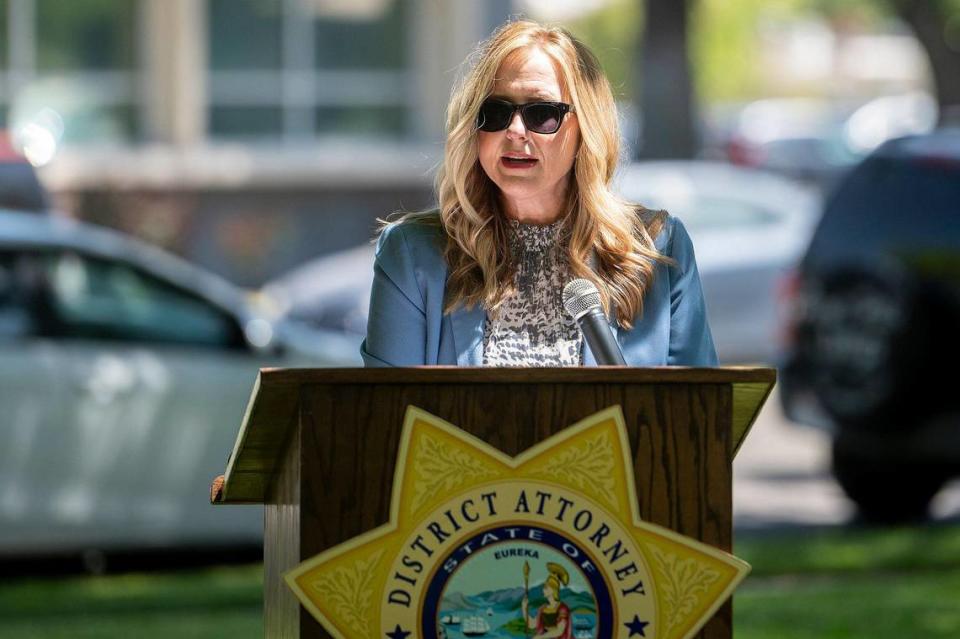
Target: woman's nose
[{"x": 516, "y": 128}]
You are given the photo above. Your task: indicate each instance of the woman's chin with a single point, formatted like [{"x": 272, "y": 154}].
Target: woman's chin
[{"x": 521, "y": 187}]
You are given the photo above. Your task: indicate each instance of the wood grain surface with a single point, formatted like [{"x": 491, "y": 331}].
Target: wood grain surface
[
  {"x": 678, "y": 423},
  {"x": 281, "y": 545},
  {"x": 271, "y": 411}
]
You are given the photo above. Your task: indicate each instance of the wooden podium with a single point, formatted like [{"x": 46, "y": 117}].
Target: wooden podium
[{"x": 317, "y": 448}]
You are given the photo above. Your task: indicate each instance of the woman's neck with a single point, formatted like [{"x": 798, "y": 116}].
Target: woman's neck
[{"x": 535, "y": 210}]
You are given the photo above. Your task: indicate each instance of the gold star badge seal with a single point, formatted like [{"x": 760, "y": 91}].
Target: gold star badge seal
[{"x": 548, "y": 543}]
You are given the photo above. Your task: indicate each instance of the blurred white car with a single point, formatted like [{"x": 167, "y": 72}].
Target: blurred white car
[
  {"x": 801, "y": 138},
  {"x": 749, "y": 228},
  {"x": 815, "y": 140},
  {"x": 888, "y": 117},
  {"x": 124, "y": 375}
]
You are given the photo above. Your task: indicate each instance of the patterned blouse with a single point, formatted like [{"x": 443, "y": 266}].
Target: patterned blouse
[{"x": 532, "y": 328}]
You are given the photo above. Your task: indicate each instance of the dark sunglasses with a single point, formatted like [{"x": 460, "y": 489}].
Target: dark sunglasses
[{"x": 539, "y": 117}]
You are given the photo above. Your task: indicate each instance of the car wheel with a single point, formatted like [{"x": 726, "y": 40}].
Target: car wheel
[{"x": 886, "y": 491}]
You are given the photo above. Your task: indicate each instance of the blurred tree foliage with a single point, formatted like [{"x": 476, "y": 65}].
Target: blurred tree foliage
[
  {"x": 724, "y": 42},
  {"x": 936, "y": 23},
  {"x": 724, "y": 39},
  {"x": 612, "y": 33}
]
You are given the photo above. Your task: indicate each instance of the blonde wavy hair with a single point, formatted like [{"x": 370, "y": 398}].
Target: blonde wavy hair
[{"x": 481, "y": 267}]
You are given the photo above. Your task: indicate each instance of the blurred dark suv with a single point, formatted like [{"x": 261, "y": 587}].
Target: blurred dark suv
[{"x": 873, "y": 333}]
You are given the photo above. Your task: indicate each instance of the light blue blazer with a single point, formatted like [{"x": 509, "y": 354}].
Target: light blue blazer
[{"x": 407, "y": 325}]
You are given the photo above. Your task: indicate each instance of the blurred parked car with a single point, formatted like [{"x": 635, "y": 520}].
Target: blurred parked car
[
  {"x": 124, "y": 375},
  {"x": 820, "y": 140},
  {"x": 800, "y": 138},
  {"x": 749, "y": 228},
  {"x": 328, "y": 293},
  {"x": 888, "y": 117},
  {"x": 19, "y": 187},
  {"x": 873, "y": 327}
]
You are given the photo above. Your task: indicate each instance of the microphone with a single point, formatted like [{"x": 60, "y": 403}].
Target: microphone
[{"x": 582, "y": 300}]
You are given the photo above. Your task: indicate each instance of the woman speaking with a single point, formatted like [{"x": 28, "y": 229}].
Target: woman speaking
[{"x": 525, "y": 206}]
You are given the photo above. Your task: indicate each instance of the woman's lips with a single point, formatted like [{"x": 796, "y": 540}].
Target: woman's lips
[{"x": 511, "y": 162}]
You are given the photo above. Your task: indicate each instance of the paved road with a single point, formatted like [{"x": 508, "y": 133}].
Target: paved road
[{"x": 781, "y": 477}]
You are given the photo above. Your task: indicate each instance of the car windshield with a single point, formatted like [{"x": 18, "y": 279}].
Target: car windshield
[
  {"x": 891, "y": 205},
  {"x": 99, "y": 299}
]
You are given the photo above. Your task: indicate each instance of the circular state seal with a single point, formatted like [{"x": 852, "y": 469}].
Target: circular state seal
[
  {"x": 517, "y": 559},
  {"x": 537, "y": 571}
]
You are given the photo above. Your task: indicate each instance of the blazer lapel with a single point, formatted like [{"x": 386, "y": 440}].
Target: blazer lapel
[{"x": 468, "y": 334}]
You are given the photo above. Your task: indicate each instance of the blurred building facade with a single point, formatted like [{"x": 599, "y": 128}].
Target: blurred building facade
[
  {"x": 253, "y": 135},
  {"x": 247, "y": 135}
]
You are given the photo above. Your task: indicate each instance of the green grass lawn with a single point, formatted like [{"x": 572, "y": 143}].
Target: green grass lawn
[
  {"x": 207, "y": 603},
  {"x": 902, "y": 582},
  {"x": 902, "y": 605},
  {"x": 875, "y": 584}
]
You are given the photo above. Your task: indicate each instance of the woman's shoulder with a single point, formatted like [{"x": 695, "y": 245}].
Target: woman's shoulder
[
  {"x": 412, "y": 240},
  {"x": 416, "y": 227},
  {"x": 426, "y": 224},
  {"x": 671, "y": 239},
  {"x": 660, "y": 225}
]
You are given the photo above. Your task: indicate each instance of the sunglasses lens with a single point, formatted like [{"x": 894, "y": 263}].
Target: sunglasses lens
[
  {"x": 539, "y": 117},
  {"x": 494, "y": 116},
  {"x": 542, "y": 118}
]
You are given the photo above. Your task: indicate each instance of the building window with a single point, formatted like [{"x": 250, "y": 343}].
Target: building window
[
  {"x": 360, "y": 119},
  {"x": 85, "y": 35},
  {"x": 70, "y": 68},
  {"x": 252, "y": 121},
  {"x": 372, "y": 38},
  {"x": 245, "y": 35},
  {"x": 5, "y": 45},
  {"x": 4, "y": 41},
  {"x": 300, "y": 69}
]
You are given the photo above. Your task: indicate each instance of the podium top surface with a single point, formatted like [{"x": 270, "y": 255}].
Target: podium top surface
[
  {"x": 488, "y": 375},
  {"x": 276, "y": 395}
]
